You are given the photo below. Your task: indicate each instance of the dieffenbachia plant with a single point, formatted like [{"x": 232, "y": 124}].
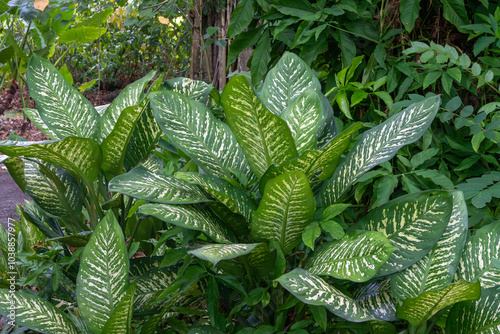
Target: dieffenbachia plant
[{"x": 255, "y": 194}]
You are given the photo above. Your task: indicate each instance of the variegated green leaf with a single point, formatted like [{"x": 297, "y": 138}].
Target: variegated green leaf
[
  {"x": 101, "y": 109},
  {"x": 35, "y": 215},
  {"x": 234, "y": 198},
  {"x": 378, "y": 300},
  {"x": 303, "y": 117},
  {"x": 476, "y": 317},
  {"x": 62, "y": 107},
  {"x": 418, "y": 310},
  {"x": 81, "y": 157},
  {"x": 192, "y": 127},
  {"x": 114, "y": 145},
  {"x": 74, "y": 240},
  {"x": 131, "y": 95},
  {"x": 53, "y": 189},
  {"x": 286, "y": 81},
  {"x": 35, "y": 118},
  {"x": 378, "y": 145},
  {"x": 479, "y": 256},
  {"x": 205, "y": 329},
  {"x": 436, "y": 269},
  {"x": 413, "y": 223},
  {"x": 313, "y": 290},
  {"x": 35, "y": 313},
  {"x": 143, "y": 141},
  {"x": 265, "y": 138},
  {"x": 356, "y": 257},
  {"x": 216, "y": 252},
  {"x": 152, "y": 282},
  {"x": 192, "y": 89},
  {"x": 102, "y": 280},
  {"x": 143, "y": 184},
  {"x": 318, "y": 164},
  {"x": 120, "y": 320},
  {"x": 16, "y": 170},
  {"x": 189, "y": 216},
  {"x": 286, "y": 208}
]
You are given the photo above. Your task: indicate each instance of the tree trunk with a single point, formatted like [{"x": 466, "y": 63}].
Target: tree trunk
[{"x": 210, "y": 65}]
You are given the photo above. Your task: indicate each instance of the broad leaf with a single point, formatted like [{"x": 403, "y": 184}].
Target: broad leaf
[
  {"x": 215, "y": 252},
  {"x": 286, "y": 208},
  {"x": 476, "y": 317},
  {"x": 130, "y": 96},
  {"x": 317, "y": 165},
  {"x": 120, "y": 320},
  {"x": 413, "y": 223},
  {"x": 80, "y": 157},
  {"x": 53, "y": 189},
  {"x": 378, "y": 145},
  {"x": 418, "y": 310},
  {"x": 480, "y": 254},
  {"x": 242, "y": 15},
  {"x": 188, "y": 216},
  {"x": 192, "y": 127},
  {"x": 356, "y": 257},
  {"x": 102, "y": 280},
  {"x": 143, "y": 140},
  {"x": 16, "y": 168},
  {"x": 192, "y": 89},
  {"x": 143, "y": 184},
  {"x": 377, "y": 298},
  {"x": 234, "y": 198},
  {"x": 265, "y": 138},
  {"x": 35, "y": 313},
  {"x": 303, "y": 117},
  {"x": 62, "y": 107},
  {"x": 312, "y": 290},
  {"x": 115, "y": 144},
  {"x": 409, "y": 10},
  {"x": 35, "y": 118},
  {"x": 286, "y": 82},
  {"x": 436, "y": 269}
]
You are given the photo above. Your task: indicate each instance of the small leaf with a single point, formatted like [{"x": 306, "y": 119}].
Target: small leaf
[{"x": 310, "y": 234}]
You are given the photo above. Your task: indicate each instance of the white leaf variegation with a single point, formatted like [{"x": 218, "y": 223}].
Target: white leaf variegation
[
  {"x": 35, "y": 118},
  {"x": 130, "y": 96},
  {"x": 120, "y": 321},
  {"x": 102, "y": 280},
  {"x": 62, "y": 107},
  {"x": 234, "y": 198},
  {"x": 192, "y": 127},
  {"x": 189, "y": 216},
  {"x": 356, "y": 257},
  {"x": 481, "y": 256},
  {"x": 143, "y": 140},
  {"x": 143, "y": 184},
  {"x": 313, "y": 290},
  {"x": 193, "y": 89},
  {"x": 34, "y": 313},
  {"x": 436, "y": 269},
  {"x": 149, "y": 285},
  {"x": 81, "y": 157},
  {"x": 216, "y": 252},
  {"x": 378, "y": 145},
  {"x": 418, "y": 310},
  {"x": 303, "y": 117},
  {"x": 59, "y": 199},
  {"x": 413, "y": 223},
  {"x": 377, "y": 298},
  {"x": 286, "y": 208},
  {"x": 286, "y": 81},
  {"x": 476, "y": 317},
  {"x": 264, "y": 137}
]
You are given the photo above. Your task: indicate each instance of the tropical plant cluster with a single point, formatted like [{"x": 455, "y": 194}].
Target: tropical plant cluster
[{"x": 348, "y": 185}]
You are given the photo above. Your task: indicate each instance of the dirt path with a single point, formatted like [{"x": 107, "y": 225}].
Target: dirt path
[{"x": 10, "y": 195}]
